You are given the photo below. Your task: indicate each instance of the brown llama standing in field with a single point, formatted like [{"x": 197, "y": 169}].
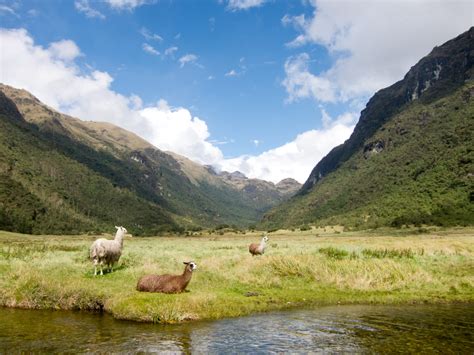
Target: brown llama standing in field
[{"x": 259, "y": 249}]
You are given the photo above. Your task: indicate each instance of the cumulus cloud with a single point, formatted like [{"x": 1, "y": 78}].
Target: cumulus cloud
[
  {"x": 65, "y": 50},
  {"x": 188, "y": 58},
  {"x": 51, "y": 74},
  {"x": 374, "y": 44},
  {"x": 236, "y": 5},
  {"x": 175, "y": 129},
  {"x": 301, "y": 83},
  {"x": 297, "y": 158},
  {"x": 84, "y": 7},
  {"x": 150, "y": 49}
]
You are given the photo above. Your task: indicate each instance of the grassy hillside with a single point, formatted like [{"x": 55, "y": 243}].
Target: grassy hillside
[
  {"x": 62, "y": 175},
  {"x": 417, "y": 168},
  {"x": 52, "y": 186}
]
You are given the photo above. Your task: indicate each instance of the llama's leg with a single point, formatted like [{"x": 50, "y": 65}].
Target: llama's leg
[
  {"x": 101, "y": 267},
  {"x": 95, "y": 267}
]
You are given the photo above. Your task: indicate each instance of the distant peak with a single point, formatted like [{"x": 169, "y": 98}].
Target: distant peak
[
  {"x": 236, "y": 175},
  {"x": 288, "y": 181}
]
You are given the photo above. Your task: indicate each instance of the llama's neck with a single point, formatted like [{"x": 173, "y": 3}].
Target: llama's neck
[
  {"x": 263, "y": 243},
  {"x": 187, "y": 275},
  {"x": 119, "y": 237}
]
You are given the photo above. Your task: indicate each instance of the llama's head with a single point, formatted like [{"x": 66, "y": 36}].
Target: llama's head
[
  {"x": 190, "y": 265},
  {"x": 265, "y": 238},
  {"x": 121, "y": 230}
]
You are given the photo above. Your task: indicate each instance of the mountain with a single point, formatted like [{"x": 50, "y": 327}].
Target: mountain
[
  {"x": 59, "y": 174},
  {"x": 288, "y": 187},
  {"x": 410, "y": 157},
  {"x": 259, "y": 194}
]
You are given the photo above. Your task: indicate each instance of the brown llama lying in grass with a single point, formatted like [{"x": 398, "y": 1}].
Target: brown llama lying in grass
[{"x": 167, "y": 283}]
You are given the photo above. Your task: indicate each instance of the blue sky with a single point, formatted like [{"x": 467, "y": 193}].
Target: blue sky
[{"x": 265, "y": 87}]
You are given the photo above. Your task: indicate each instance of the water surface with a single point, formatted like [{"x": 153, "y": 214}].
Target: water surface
[{"x": 420, "y": 329}]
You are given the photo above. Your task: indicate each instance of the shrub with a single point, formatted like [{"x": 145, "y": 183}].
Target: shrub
[
  {"x": 389, "y": 253},
  {"x": 334, "y": 253}
]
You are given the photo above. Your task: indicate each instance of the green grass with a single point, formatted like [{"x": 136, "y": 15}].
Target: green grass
[{"x": 301, "y": 268}]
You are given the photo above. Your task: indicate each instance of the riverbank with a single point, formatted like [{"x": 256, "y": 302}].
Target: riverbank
[{"x": 300, "y": 268}]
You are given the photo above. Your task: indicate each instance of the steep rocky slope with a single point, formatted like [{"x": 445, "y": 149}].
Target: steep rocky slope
[{"x": 410, "y": 157}]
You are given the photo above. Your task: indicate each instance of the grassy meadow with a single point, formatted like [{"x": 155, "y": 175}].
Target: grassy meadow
[{"x": 300, "y": 268}]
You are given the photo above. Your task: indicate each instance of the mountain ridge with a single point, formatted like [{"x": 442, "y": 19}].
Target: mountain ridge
[
  {"x": 437, "y": 67},
  {"x": 127, "y": 162},
  {"x": 409, "y": 159}
]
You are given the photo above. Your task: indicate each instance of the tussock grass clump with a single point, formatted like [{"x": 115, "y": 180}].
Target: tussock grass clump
[
  {"x": 391, "y": 253},
  {"x": 334, "y": 253},
  {"x": 299, "y": 266}
]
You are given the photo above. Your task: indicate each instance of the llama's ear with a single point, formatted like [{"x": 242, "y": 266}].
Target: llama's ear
[
  {"x": 185, "y": 262},
  {"x": 117, "y": 227}
]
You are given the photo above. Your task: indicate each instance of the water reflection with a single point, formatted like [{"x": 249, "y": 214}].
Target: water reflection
[{"x": 420, "y": 329}]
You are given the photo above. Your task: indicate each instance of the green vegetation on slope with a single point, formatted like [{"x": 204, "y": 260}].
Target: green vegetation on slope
[
  {"x": 45, "y": 191},
  {"x": 298, "y": 269},
  {"x": 59, "y": 174},
  {"x": 418, "y": 168}
]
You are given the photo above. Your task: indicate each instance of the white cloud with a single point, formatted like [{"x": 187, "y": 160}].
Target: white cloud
[
  {"x": 374, "y": 43},
  {"x": 125, "y": 4},
  {"x": 231, "y": 72},
  {"x": 65, "y": 50},
  {"x": 150, "y": 35},
  {"x": 188, "y": 58},
  {"x": 149, "y": 49},
  {"x": 33, "y": 12},
  {"x": 298, "y": 22},
  {"x": 256, "y": 142},
  {"x": 212, "y": 24},
  {"x": 297, "y": 158},
  {"x": 84, "y": 7},
  {"x": 300, "y": 83},
  {"x": 119, "y": 5},
  {"x": 241, "y": 71},
  {"x": 4, "y": 9},
  {"x": 175, "y": 129},
  {"x": 235, "y": 5},
  {"x": 170, "y": 50},
  {"x": 51, "y": 74}
]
